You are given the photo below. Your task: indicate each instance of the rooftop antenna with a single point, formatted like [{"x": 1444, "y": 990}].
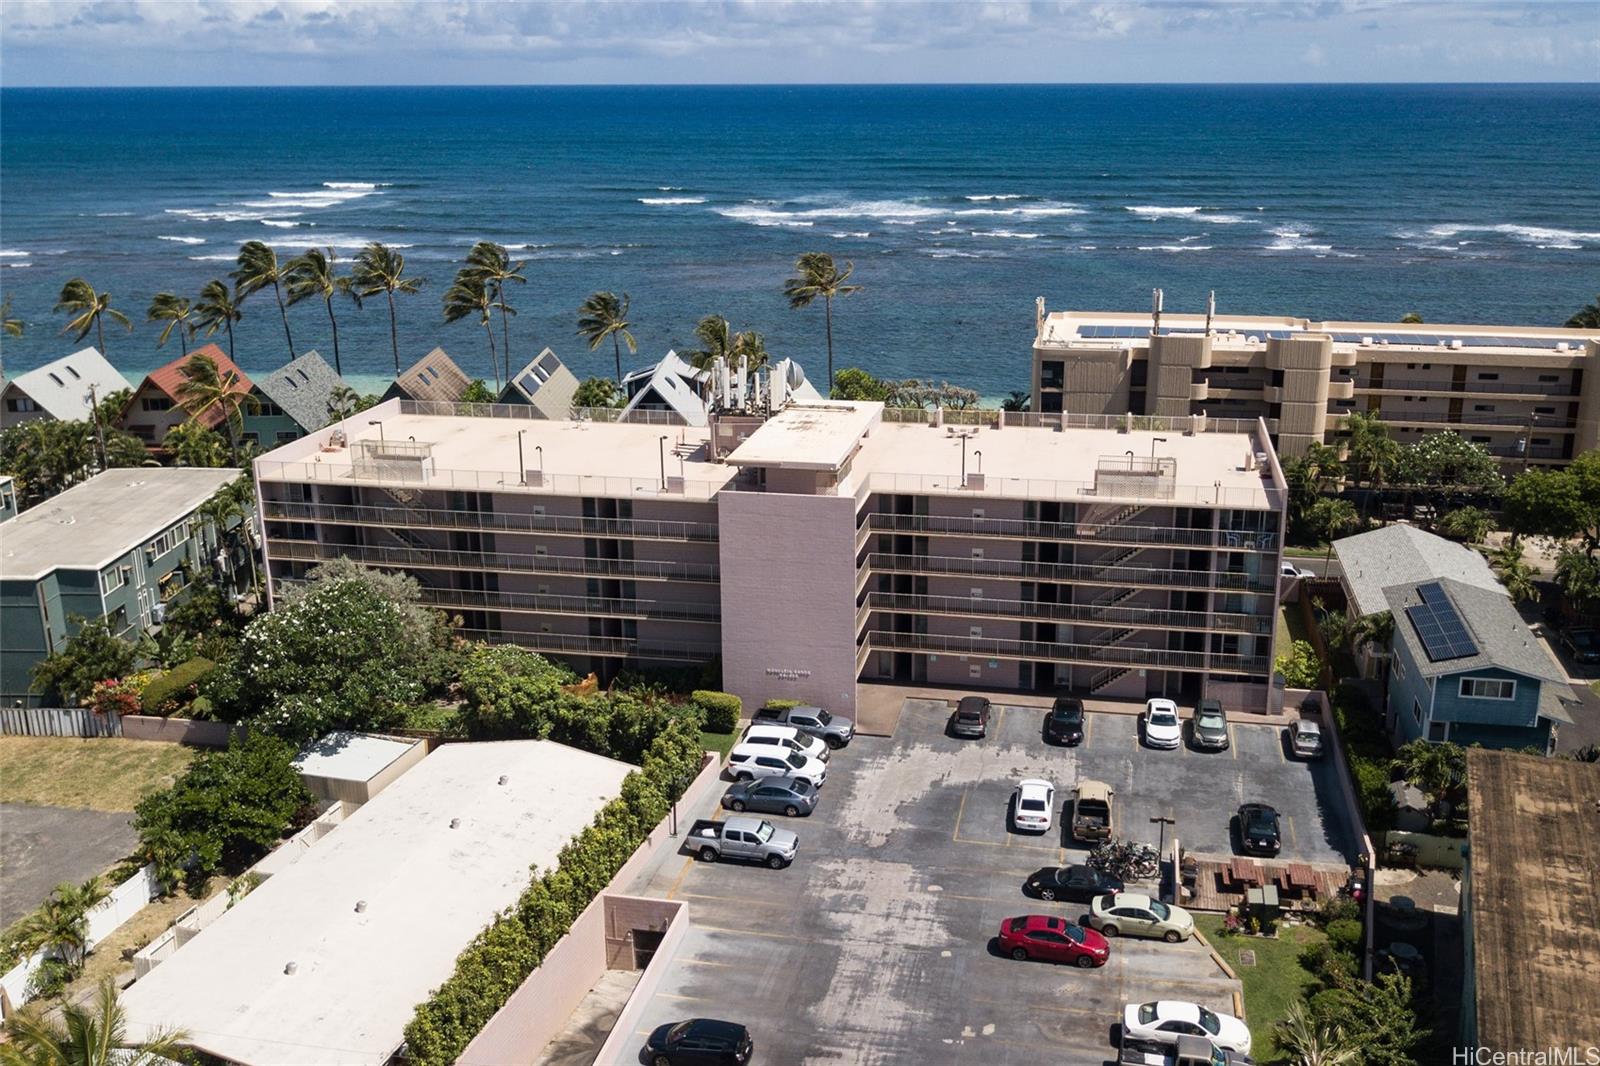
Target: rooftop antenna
[
  {"x": 1211, "y": 310},
  {"x": 1155, "y": 311}
]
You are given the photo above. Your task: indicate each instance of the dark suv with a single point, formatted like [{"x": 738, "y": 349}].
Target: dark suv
[
  {"x": 971, "y": 718},
  {"x": 698, "y": 1040},
  {"x": 1064, "y": 724}
]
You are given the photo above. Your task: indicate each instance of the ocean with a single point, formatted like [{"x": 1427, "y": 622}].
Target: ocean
[{"x": 958, "y": 205}]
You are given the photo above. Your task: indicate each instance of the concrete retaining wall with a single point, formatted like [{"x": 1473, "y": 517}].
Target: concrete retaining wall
[{"x": 193, "y": 731}]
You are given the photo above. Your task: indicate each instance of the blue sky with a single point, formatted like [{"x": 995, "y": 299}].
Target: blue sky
[{"x": 329, "y": 42}]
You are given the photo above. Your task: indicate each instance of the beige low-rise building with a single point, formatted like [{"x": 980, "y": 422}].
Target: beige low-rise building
[{"x": 1523, "y": 392}]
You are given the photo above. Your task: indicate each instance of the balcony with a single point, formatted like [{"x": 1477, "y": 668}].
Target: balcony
[
  {"x": 1436, "y": 386},
  {"x": 1341, "y": 388},
  {"x": 502, "y": 562},
  {"x": 386, "y": 516},
  {"x": 580, "y": 606},
  {"x": 1085, "y": 613},
  {"x": 1040, "y": 651},
  {"x": 604, "y": 647},
  {"x": 1083, "y": 532},
  {"x": 1078, "y": 573}
]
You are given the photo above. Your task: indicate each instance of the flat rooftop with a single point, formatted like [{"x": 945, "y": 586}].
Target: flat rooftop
[
  {"x": 351, "y": 756},
  {"x": 577, "y": 457},
  {"x": 100, "y": 520},
  {"x": 1535, "y": 899},
  {"x": 1037, "y": 462},
  {"x": 816, "y": 435},
  {"x": 428, "y": 889},
  {"x": 1123, "y": 329}
]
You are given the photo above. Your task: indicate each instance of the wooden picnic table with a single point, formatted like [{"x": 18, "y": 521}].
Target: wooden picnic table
[{"x": 1245, "y": 872}]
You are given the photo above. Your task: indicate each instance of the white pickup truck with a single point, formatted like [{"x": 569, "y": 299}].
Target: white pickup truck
[{"x": 749, "y": 839}]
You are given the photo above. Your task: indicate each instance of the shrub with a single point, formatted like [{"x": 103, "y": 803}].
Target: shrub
[
  {"x": 176, "y": 689},
  {"x": 1344, "y": 935},
  {"x": 720, "y": 710},
  {"x": 1372, "y": 792},
  {"x": 1335, "y": 908},
  {"x": 501, "y": 957},
  {"x": 1299, "y": 665},
  {"x": 91, "y": 654},
  {"x": 113, "y": 697},
  {"x": 782, "y": 705}
]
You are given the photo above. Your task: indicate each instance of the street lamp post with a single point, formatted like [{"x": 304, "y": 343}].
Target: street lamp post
[
  {"x": 522, "y": 465},
  {"x": 1153, "y": 442},
  {"x": 977, "y": 453},
  {"x": 538, "y": 449},
  {"x": 379, "y": 423}
]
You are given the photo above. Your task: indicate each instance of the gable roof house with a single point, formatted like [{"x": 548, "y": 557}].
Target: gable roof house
[
  {"x": 1468, "y": 670},
  {"x": 671, "y": 387},
  {"x": 433, "y": 377},
  {"x": 155, "y": 406},
  {"x": 545, "y": 384},
  {"x": 291, "y": 401},
  {"x": 59, "y": 390}
]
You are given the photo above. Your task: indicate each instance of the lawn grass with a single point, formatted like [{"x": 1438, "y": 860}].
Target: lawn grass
[
  {"x": 1275, "y": 981},
  {"x": 97, "y": 773},
  {"x": 721, "y": 743}
]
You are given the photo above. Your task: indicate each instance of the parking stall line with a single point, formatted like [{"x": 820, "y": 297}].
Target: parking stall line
[
  {"x": 751, "y": 932},
  {"x": 1233, "y": 742},
  {"x": 955, "y": 834},
  {"x": 743, "y": 901},
  {"x": 1289, "y": 818},
  {"x": 1088, "y": 728}
]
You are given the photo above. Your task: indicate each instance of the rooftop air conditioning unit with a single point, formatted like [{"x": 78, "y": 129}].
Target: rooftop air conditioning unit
[
  {"x": 1455, "y": 344},
  {"x": 1366, "y": 340},
  {"x": 1561, "y": 346},
  {"x": 1253, "y": 339}
]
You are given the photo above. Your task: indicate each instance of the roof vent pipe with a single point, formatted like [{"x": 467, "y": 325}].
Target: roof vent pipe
[
  {"x": 361, "y": 906},
  {"x": 455, "y": 823},
  {"x": 291, "y": 969},
  {"x": 503, "y": 779}
]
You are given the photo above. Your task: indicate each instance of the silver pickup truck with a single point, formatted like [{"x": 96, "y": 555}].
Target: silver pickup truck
[{"x": 749, "y": 839}]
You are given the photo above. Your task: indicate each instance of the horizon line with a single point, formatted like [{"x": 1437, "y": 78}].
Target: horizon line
[{"x": 1593, "y": 83}]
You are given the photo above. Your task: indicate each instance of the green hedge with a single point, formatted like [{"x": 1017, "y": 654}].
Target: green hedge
[
  {"x": 721, "y": 710},
  {"x": 782, "y": 705},
  {"x": 174, "y": 690},
  {"x": 501, "y": 957}
]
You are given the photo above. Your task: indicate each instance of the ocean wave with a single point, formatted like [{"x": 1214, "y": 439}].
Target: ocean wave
[
  {"x": 13, "y": 253},
  {"x": 949, "y": 253},
  {"x": 281, "y": 223},
  {"x": 669, "y": 188},
  {"x": 113, "y": 214},
  {"x": 326, "y": 240},
  {"x": 889, "y": 212},
  {"x": 994, "y": 196},
  {"x": 210, "y": 214},
  {"x": 1012, "y": 234},
  {"x": 212, "y": 258},
  {"x": 1293, "y": 240},
  {"x": 1175, "y": 247},
  {"x": 665, "y": 201},
  {"x": 1538, "y": 236},
  {"x": 1147, "y": 211},
  {"x": 23, "y": 265},
  {"x": 1224, "y": 220},
  {"x": 354, "y": 185},
  {"x": 184, "y": 240},
  {"x": 860, "y": 234}
]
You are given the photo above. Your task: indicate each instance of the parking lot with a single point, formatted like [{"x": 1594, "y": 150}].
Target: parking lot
[{"x": 877, "y": 944}]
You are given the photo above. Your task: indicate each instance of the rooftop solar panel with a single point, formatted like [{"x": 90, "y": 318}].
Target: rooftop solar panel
[{"x": 1443, "y": 634}]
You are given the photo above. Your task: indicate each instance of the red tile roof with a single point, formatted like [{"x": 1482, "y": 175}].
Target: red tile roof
[{"x": 168, "y": 378}]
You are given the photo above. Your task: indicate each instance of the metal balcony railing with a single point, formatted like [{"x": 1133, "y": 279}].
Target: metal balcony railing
[
  {"x": 505, "y": 562},
  {"x": 583, "y": 606},
  {"x": 1118, "y": 655},
  {"x": 500, "y": 521},
  {"x": 1094, "y": 533},
  {"x": 606, "y": 647},
  {"x": 1081, "y": 573},
  {"x": 1032, "y": 610},
  {"x": 1553, "y": 389}
]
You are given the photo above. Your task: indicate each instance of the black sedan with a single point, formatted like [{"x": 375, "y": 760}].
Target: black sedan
[
  {"x": 792, "y": 796},
  {"x": 1073, "y": 884},
  {"x": 1259, "y": 832},
  {"x": 1582, "y": 644},
  {"x": 1064, "y": 724},
  {"x": 698, "y": 1040}
]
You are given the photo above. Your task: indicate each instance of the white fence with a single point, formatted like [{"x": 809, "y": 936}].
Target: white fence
[
  {"x": 126, "y": 900},
  {"x": 58, "y": 722}
]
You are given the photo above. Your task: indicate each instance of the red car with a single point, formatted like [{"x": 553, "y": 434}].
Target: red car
[{"x": 1042, "y": 936}]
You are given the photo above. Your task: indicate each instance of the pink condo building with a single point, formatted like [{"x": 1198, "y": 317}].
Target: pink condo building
[{"x": 817, "y": 545}]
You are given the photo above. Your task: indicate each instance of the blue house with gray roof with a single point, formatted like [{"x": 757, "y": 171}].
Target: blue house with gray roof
[
  {"x": 1468, "y": 670},
  {"x": 291, "y": 401}
]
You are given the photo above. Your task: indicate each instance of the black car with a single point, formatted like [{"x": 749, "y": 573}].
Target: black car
[
  {"x": 698, "y": 1040},
  {"x": 1582, "y": 644},
  {"x": 1064, "y": 724},
  {"x": 1258, "y": 829},
  {"x": 970, "y": 718},
  {"x": 1073, "y": 884}
]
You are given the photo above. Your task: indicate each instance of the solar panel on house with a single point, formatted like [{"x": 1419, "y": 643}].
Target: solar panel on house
[{"x": 1443, "y": 634}]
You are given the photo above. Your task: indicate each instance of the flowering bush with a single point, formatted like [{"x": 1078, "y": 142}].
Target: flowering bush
[{"x": 114, "y": 696}]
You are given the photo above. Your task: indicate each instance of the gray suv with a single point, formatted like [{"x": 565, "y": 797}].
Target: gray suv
[
  {"x": 971, "y": 717},
  {"x": 833, "y": 729},
  {"x": 772, "y": 795},
  {"x": 1209, "y": 729}
]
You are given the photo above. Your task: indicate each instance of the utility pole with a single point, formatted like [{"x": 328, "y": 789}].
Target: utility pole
[{"x": 99, "y": 430}]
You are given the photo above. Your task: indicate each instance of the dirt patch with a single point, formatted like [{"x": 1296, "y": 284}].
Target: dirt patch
[{"x": 95, "y": 773}]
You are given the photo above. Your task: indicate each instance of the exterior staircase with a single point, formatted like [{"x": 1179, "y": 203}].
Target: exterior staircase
[
  {"x": 1100, "y": 519},
  {"x": 1107, "y": 676}
]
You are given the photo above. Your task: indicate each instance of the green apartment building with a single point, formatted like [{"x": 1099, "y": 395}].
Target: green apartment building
[{"x": 114, "y": 546}]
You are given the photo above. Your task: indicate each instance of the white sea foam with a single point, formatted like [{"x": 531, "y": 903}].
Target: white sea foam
[
  {"x": 1293, "y": 240},
  {"x": 281, "y": 223},
  {"x": 184, "y": 240},
  {"x": 1088, "y": 247},
  {"x": 1224, "y": 220},
  {"x": 889, "y": 212},
  {"x": 17, "y": 265},
  {"x": 672, "y": 200},
  {"x": 354, "y": 185},
  {"x": 1145, "y": 211},
  {"x": 1175, "y": 247},
  {"x": 13, "y": 253},
  {"x": 211, "y": 258},
  {"x": 207, "y": 214},
  {"x": 326, "y": 240},
  {"x": 1012, "y": 234},
  {"x": 862, "y": 234},
  {"x": 669, "y": 188},
  {"x": 994, "y": 196},
  {"x": 947, "y": 253},
  {"x": 1539, "y": 236}
]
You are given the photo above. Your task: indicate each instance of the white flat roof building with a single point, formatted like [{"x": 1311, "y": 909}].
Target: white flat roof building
[{"x": 326, "y": 961}]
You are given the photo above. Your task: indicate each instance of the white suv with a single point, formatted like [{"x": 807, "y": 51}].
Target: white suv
[
  {"x": 750, "y": 761},
  {"x": 789, "y": 737}
]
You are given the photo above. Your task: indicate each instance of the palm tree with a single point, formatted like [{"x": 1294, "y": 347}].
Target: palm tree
[
  {"x": 89, "y": 310},
  {"x": 491, "y": 263},
  {"x": 1588, "y": 316},
  {"x": 86, "y": 1036},
  {"x": 11, "y": 326},
  {"x": 379, "y": 268},
  {"x": 603, "y": 315},
  {"x": 470, "y": 294},
  {"x": 1016, "y": 401},
  {"x": 1439, "y": 769},
  {"x": 315, "y": 273},
  {"x": 716, "y": 341},
  {"x": 258, "y": 268},
  {"x": 1309, "y": 1044},
  {"x": 61, "y": 924},
  {"x": 343, "y": 402},
  {"x": 217, "y": 308},
  {"x": 175, "y": 312},
  {"x": 1514, "y": 573},
  {"x": 817, "y": 276},
  {"x": 1376, "y": 631},
  {"x": 206, "y": 389},
  {"x": 229, "y": 510},
  {"x": 1372, "y": 452}
]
